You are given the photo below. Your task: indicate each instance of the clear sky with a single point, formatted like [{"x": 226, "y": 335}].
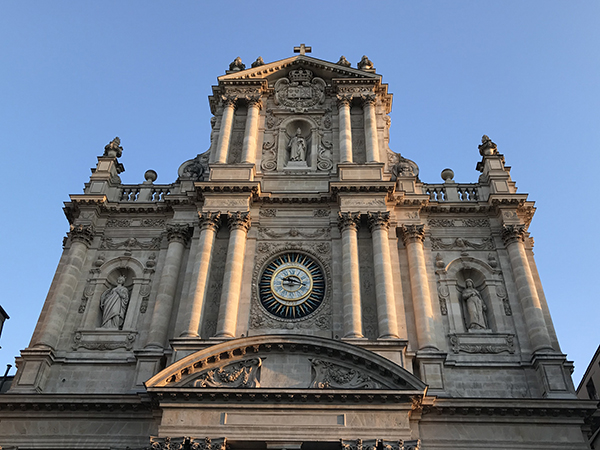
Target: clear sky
[{"x": 73, "y": 75}]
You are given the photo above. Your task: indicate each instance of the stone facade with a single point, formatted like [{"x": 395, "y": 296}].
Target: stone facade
[{"x": 297, "y": 286}]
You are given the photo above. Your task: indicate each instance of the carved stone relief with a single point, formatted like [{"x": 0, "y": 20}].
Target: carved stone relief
[
  {"x": 269, "y": 156},
  {"x": 325, "y": 156},
  {"x": 320, "y": 233},
  {"x": 329, "y": 375},
  {"x": 103, "y": 340},
  {"x": 443, "y": 295},
  {"x": 482, "y": 343},
  {"x": 186, "y": 443},
  {"x": 462, "y": 244},
  {"x": 241, "y": 374},
  {"x": 300, "y": 91},
  {"x": 445, "y": 223},
  {"x": 131, "y": 244}
]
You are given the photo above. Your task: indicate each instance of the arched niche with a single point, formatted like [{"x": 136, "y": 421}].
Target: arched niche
[
  {"x": 488, "y": 282},
  {"x": 309, "y": 131},
  {"x": 137, "y": 282}
]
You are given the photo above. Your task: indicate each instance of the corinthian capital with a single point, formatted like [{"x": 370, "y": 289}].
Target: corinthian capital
[
  {"x": 239, "y": 220},
  {"x": 368, "y": 99},
  {"x": 348, "y": 221},
  {"x": 179, "y": 232},
  {"x": 412, "y": 233},
  {"x": 82, "y": 233},
  {"x": 513, "y": 233},
  {"x": 254, "y": 101},
  {"x": 343, "y": 100},
  {"x": 209, "y": 220},
  {"x": 379, "y": 220},
  {"x": 229, "y": 100}
]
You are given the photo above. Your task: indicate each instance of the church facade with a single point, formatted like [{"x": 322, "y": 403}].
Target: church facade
[{"x": 297, "y": 287}]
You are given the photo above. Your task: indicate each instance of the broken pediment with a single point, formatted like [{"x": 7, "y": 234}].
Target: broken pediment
[{"x": 276, "y": 362}]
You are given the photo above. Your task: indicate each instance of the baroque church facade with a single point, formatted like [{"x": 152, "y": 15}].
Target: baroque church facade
[{"x": 297, "y": 287}]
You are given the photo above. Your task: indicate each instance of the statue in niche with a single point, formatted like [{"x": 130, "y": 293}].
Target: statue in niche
[
  {"x": 297, "y": 147},
  {"x": 475, "y": 307},
  {"x": 113, "y": 305}
]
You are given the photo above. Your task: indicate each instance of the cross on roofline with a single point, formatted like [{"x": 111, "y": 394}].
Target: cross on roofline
[{"x": 302, "y": 49}]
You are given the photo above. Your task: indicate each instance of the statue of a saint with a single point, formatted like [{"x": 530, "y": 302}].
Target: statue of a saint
[
  {"x": 297, "y": 147},
  {"x": 475, "y": 307},
  {"x": 113, "y": 305}
]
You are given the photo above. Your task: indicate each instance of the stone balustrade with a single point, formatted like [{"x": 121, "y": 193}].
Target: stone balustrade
[
  {"x": 143, "y": 193},
  {"x": 453, "y": 192}
]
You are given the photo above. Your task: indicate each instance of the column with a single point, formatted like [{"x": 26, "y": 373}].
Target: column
[
  {"x": 226, "y": 125},
  {"x": 81, "y": 237},
  {"x": 239, "y": 223},
  {"x": 178, "y": 235},
  {"x": 513, "y": 236},
  {"x": 345, "y": 128},
  {"x": 251, "y": 132},
  {"x": 371, "y": 141},
  {"x": 190, "y": 313},
  {"x": 348, "y": 224},
  {"x": 379, "y": 223},
  {"x": 413, "y": 236}
]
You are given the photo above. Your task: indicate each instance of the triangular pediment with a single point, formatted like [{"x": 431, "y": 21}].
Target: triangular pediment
[
  {"x": 283, "y": 362},
  {"x": 320, "y": 68}
]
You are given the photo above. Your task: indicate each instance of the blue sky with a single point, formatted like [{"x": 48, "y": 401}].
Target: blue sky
[{"x": 73, "y": 75}]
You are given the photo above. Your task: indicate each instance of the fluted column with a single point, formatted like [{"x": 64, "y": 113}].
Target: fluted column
[
  {"x": 239, "y": 223},
  {"x": 371, "y": 140},
  {"x": 226, "y": 126},
  {"x": 251, "y": 132},
  {"x": 413, "y": 236},
  {"x": 345, "y": 128},
  {"x": 81, "y": 237},
  {"x": 513, "y": 236},
  {"x": 379, "y": 223},
  {"x": 190, "y": 314},
  {"x": 178, "y": 235},
  {"x": 348, "y": 224}
]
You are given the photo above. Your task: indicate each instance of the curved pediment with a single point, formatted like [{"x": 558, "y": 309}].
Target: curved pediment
[{"x": 286, "y": 362}]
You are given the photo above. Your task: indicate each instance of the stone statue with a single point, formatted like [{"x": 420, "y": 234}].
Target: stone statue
[
  {"x": 365, "y": 63},
  {"x": 475, "y": 307},
  {"x": 487, "y": 147},
  {"x": 259, "y": 62},
  {"x": 297, "y": 147},
  {"x": 113, "y": 148},
  {"x": 344, "y": 62},
  {"x": 113, "y": 305},
  {"x": 237, "y": 65}
]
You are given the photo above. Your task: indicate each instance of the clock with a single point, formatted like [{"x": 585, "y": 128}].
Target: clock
[{"x": 292, "y": 286}]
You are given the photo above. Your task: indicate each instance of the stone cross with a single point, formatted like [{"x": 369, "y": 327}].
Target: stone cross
[{"x": 302, "y": 49}]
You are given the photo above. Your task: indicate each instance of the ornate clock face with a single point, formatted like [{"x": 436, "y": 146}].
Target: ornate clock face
[{"x": 292, "y": 286}]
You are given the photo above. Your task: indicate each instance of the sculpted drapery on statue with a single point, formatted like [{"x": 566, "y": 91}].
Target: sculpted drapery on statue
[
  {"x": 475, "y": 307},
  {"x": 113, "y": 305},
  {"x": 297, "y": 147}
]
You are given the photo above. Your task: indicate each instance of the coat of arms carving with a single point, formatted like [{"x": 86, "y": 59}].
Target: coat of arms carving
[{"x": 300, "y": 90}]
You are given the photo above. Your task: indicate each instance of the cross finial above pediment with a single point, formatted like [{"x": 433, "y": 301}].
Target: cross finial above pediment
[{"x": 303, "y": 49}]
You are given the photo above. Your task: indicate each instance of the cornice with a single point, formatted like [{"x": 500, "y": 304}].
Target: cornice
[
  {"x": 510, "y": 408},
  {"x": 272, "y": 397},
  {"x": 74, "y": 403}
]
